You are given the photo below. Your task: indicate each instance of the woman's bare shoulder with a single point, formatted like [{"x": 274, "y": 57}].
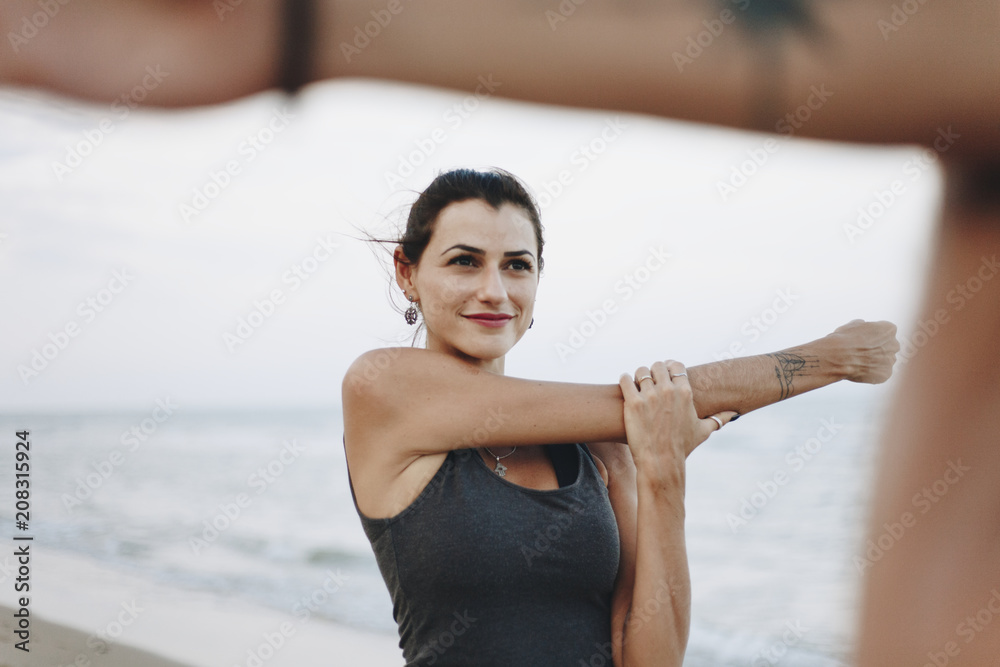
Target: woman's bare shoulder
[
  {"x": 372, "y": 369},
  {"x": 370, "y": 365}
]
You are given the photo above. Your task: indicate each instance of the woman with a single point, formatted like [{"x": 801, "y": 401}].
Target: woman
[{"x": 497, "y": 550}]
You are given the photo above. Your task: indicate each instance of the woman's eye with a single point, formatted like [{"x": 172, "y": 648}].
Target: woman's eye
[{"x": 469, "y": 260}]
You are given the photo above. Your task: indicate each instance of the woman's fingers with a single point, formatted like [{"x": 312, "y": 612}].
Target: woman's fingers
[
  {"x": 658, "y": 399},
  {"x": 662, "y": 374},
  {"x": 720, "y": 419},
  {"x": 675, "y": 369},
  {"x": 713, "y": 423},
  {"x": 643, "y": 374},
  {"x": 628, "y": 386}
]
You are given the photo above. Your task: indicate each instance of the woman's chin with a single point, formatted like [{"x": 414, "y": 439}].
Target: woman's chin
[{"x": 487, "y": 351}]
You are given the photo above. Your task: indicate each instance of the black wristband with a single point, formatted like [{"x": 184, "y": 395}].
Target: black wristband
[
  {"x": 298, "y": 37},
  {"x": 972, "y": 187}
]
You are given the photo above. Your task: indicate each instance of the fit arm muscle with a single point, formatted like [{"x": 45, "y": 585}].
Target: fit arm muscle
[{"x": 434, "y": 402}]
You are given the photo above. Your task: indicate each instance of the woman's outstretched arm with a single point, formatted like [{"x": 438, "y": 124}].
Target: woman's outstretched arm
[
  {"x": 430, "y": 402},
  {"x": 858, "y": 351}
]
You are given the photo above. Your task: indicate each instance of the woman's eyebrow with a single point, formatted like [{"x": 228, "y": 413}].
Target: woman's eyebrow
[
  {"x": 466, "y": 248},
  {"x": 478, "y": 251}
]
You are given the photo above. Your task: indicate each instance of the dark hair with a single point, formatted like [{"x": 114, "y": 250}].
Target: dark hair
[{"x": 496, "y": 187}]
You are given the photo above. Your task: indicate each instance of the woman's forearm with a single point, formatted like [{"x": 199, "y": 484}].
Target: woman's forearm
[
  {"x": 204, "y": 52},
  {"x": 662, "y": 427},
  {"x": 697, "y": 61},
  {"x": 858, "y": 351},
  {"x": 684, "y": 60},
  {"x": 658, "y": 621},
  {"x": 748, "y": 383}
]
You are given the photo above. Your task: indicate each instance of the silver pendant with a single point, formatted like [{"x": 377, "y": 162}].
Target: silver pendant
[{"x": 500, "y": 470}]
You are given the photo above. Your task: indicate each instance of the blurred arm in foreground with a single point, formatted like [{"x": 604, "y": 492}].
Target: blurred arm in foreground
[{"x": 883, "y": 71}]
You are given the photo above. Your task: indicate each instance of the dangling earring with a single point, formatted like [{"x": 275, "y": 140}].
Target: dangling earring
[
  {"x": 411, "y": 312},
  {"x": 532, "y": 323}
]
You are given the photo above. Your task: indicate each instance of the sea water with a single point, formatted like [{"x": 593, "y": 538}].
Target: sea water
[{"x": 256, "y": 505}]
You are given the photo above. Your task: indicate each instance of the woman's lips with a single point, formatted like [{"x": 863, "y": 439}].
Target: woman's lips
[{"x": 492, "y": 320}]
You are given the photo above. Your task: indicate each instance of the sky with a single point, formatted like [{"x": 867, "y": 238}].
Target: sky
[{"x": 216, "y": 255}]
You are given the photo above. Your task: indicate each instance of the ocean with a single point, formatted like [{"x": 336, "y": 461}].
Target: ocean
[{"x": 255, "y": 505}]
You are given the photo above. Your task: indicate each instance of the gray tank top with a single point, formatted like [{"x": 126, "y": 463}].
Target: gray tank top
[{"x": 485, "y": 572}]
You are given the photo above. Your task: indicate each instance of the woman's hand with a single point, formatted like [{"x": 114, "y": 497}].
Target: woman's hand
[
  {"x": 660, "y": 419},
  {"x": 662, "y": 428},
  {"x": 867, "y": 350}
]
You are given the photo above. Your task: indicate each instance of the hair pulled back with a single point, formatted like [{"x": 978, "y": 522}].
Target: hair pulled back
[{"x": 496, "y": 187}]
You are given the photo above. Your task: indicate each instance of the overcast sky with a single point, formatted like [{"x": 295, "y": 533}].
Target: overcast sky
[{"x": 133, "y": 242}]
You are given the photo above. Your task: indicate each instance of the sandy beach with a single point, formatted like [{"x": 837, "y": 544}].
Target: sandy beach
[
  {"x": 86, "y": 615},
  {"x": 55, "y": 645}
]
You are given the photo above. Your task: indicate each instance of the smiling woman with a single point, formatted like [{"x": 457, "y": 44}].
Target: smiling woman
[
  {"x": 510, "y": 521},
  {"x": 477, "y": 300}
]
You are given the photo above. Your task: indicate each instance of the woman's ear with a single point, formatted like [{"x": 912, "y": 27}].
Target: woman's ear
[{"x": 404, "y": 271}]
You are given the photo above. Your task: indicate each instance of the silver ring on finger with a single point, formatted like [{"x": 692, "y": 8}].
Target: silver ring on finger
[{"x": 717, "y": 421}]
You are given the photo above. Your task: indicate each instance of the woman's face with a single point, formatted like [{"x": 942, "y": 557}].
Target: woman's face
[{"x": 476, "y": 281}]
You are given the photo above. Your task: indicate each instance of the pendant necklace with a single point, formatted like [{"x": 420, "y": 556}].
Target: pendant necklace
[{"x": 501, "y": 469}]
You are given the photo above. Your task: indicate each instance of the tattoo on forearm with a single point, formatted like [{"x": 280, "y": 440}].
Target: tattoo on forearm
[{"x": 789, "y": 366}]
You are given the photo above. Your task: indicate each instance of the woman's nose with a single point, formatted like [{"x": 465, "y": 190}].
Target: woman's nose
[{"x": 491, "y": 287}]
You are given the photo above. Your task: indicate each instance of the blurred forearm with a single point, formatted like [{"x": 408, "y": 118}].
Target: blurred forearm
[
  {"x": 101, "y": 49},
  {"x": 864, "y": 72}
]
